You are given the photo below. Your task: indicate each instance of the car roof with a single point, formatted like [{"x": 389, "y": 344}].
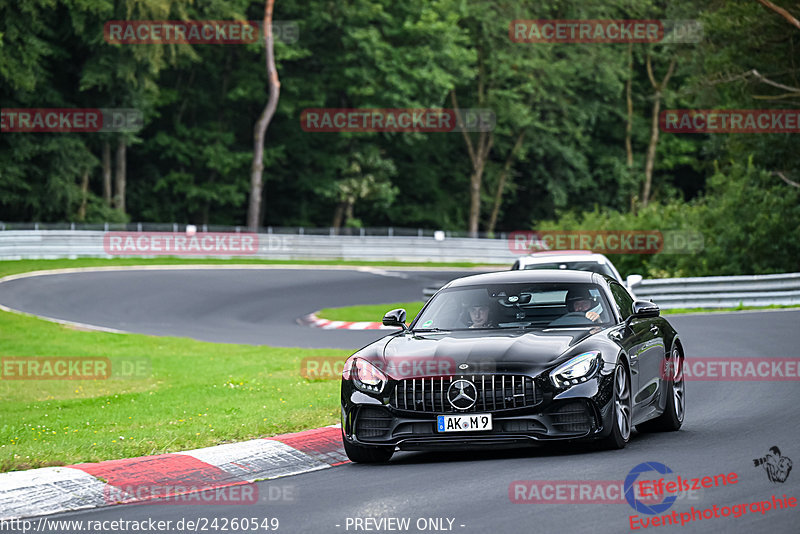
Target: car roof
[
  {"x": 545, "y": 276},
  {"x": 562, "y": 256}
]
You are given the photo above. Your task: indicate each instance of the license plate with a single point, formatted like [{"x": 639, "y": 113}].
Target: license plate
[{"x": 464, "y": 423}]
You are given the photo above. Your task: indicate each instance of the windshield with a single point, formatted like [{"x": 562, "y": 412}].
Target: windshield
[
  {"x": 539, "y": 305},
  {"x": 591, "y": 266}
]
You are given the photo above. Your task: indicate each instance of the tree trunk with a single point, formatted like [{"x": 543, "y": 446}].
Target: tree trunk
[
  {"x": 84, "y": 195},
  {"x": 107, "y": 173},
  {"x": 501, "y": 184},
  {"x": 337, "y": 217},
  {"x": 782, "y": 12},
  {"x": 119, "y": 178},
  {"x": 629, "y": 101},
  {"x": 348, "y": 210},
  {"x": 651, "y": 148},
  {"x": 475, "y": 180},
  {"x": 257, "y": 169},
  {"x": 478, "y": 156},
  {"x": 629, "y": 123}
]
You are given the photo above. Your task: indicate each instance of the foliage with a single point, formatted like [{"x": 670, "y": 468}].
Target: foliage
[
  {"x": 749, "y": 221},
  {"x": 190, "y": 163}
]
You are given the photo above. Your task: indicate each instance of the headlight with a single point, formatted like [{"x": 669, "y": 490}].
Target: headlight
[
  {"x": 576, "y": 370},
  {"x": 365, "y": 376}
]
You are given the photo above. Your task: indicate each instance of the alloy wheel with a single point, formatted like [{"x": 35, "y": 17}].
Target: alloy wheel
[
  {"x": 622, "y": 401},
  {"x": 678, "y": 385}
]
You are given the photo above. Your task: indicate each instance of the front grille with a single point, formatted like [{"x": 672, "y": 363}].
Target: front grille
[
  {"x": 372, "y": 422},
  {"x": 572, "y": 417},
  {"x": 495, "y": 393}
]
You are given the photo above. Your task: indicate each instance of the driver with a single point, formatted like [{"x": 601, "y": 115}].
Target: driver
[
  {"x": 478, "y": 312},
  {"x": 581, "y": 301}
]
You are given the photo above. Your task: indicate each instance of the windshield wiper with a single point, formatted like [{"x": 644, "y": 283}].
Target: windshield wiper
[
  {"x": 536, "y": 325},
  {"x": 429, "y": 330}
]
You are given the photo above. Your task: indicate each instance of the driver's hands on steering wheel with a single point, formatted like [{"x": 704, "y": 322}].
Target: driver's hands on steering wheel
[{"x": 593, "y": 316}]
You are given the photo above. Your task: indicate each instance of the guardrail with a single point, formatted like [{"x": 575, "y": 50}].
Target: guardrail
[
  {"x": 670, "y": 293},
  {"x": 713, "y": 291},
  {"x": 722, "y": 291},
  {"x": 45, "y": 244},
  {"x": 382, "y": 231}
]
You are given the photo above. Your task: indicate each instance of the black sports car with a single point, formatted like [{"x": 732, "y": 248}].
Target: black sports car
[{"x": 514, "y": 358}]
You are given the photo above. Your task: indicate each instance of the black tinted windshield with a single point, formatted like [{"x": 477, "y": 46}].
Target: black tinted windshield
[{"x": 516, "y": 305}]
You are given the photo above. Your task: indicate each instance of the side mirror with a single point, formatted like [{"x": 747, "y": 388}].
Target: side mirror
[
  {"x": 395, "y": 318},
  {"x": 643, "y": 309},
  {"x": 633, "y": 280}
]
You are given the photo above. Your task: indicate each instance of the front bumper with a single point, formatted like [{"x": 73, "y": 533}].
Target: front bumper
[{"x": 582, "y": 412}]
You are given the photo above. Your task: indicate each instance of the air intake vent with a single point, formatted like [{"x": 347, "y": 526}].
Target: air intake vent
[{"x": 495, "y": 393}]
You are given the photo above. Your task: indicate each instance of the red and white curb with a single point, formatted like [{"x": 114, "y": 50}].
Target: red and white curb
[
  {"x": 316, "y": 322},
  {"x": 52, "y": 490}
]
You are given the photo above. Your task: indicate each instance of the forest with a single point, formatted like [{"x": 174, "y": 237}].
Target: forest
[{"x": 576, "y": 141}]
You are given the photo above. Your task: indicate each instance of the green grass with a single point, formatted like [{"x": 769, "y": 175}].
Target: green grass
[
  {"x": 375, "y": 312},
  {"x": 197, "y": 394},
  {"x": 20, "y": 266},
  {"x": 737, "y": 308},
  {"x": 370, "y": 312}
]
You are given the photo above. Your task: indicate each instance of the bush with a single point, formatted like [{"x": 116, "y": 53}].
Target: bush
[{"x": 749, "y": 219}]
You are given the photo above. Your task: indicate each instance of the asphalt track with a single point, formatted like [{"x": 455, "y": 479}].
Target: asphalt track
[
  {"x": 253, "y": 306},
  {"x": 728, "y": 424}
]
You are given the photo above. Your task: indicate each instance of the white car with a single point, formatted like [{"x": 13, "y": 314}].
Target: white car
[{"x": 575, "y": 260}]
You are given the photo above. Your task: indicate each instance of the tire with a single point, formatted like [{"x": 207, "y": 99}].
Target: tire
[
  {"x": 623, "y": 409},
  {"x": 367, "y": 455},
  {"x": 675, "y": 411}
]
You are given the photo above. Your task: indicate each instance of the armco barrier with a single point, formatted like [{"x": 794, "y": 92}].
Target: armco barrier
[
  {"x": 722, "y": 291},
  {"x": 712, "y": 291},
  {"x": 701, "y": 292},
  {"x": 44, "y": 244}
]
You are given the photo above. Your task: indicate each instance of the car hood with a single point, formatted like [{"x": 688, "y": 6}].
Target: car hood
[{"x": 526, "y": 352}]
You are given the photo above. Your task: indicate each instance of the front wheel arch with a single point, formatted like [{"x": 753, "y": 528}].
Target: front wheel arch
[
  {"x": 674, "y": 414},
  {"x": 622, "y": 407}
]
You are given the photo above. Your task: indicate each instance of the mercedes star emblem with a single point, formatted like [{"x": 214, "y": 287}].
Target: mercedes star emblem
[{"x": 462, "y": 394}]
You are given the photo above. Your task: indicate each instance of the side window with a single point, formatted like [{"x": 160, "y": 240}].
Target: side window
[{"x": 623, "y": 300}]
